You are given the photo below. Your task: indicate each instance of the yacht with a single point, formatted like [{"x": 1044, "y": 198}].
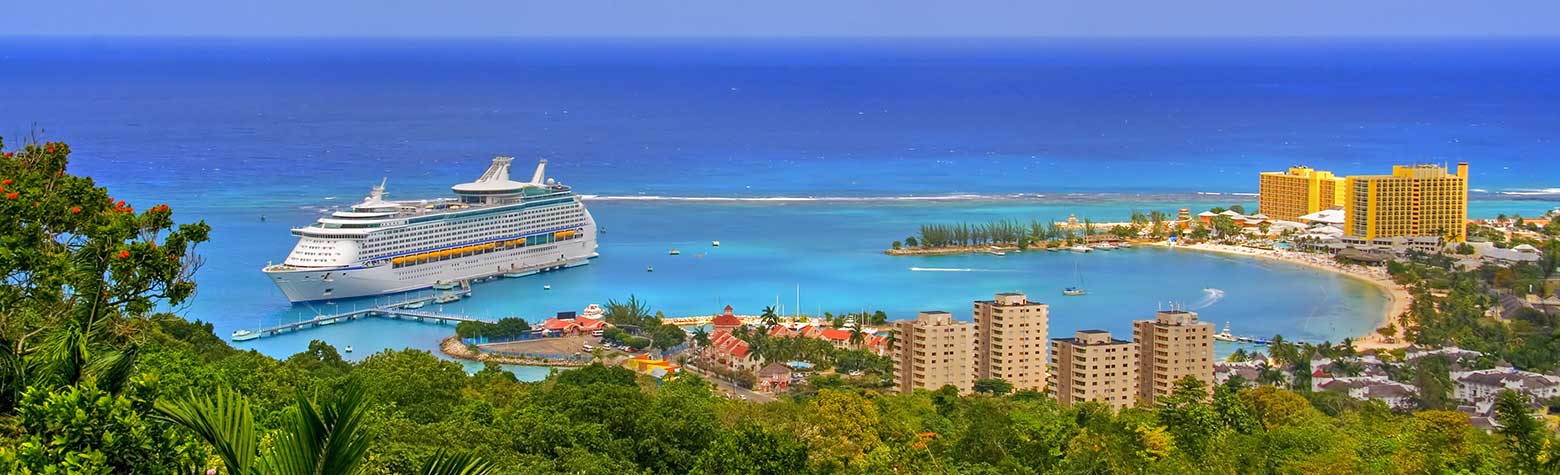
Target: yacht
[
  {"x": 1225, "y": 335},
  {"x": 674, "y": 252},
  {"x": 245, "y": 335},
  {"x": 415, "y": 305},
  {"x": 446, "y": 297},
  {"x": 715, "y": 243},
  {"x": 1073, "y": 291},
  {"x": 492, "y": 226},
  {"x": 1080, "y": 248}
]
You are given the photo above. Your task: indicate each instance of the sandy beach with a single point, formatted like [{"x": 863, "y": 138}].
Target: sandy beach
[{"x": 1398, "y": 298}]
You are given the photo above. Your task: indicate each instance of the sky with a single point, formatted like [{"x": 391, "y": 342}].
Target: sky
[{"x": 780, "y": 18}]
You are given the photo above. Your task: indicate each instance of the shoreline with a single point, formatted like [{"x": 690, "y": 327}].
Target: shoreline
[
  {"x": 453, "y": 347},
  {"x": 1398, "y": 298}
]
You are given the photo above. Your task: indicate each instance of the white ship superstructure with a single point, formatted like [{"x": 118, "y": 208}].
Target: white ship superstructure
[{"x": 492, "y": 226}]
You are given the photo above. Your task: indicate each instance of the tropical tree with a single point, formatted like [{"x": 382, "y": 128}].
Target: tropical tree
[
  {"x": 769, "y": 317},
  {"x": 318, "y": 437},
  {"x": 993, "y": 386},
  {"x": 701, "y": 337}
]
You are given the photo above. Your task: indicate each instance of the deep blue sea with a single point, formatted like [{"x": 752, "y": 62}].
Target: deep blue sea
[{"x": 231, "y": 130}]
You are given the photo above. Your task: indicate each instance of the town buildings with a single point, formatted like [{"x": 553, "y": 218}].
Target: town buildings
[
  {"x": 1415, "y": 200},
  {"x": 1297, "y": 192},
  {"x": 1010, "y": 339},
  {"x": 933, "y": 351},
  {"x": 1092, "y": 366},
  {"x": 1172, "y": 346}
]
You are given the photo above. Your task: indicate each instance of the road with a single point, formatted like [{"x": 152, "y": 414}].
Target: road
[{"x": 728, "y": 387}]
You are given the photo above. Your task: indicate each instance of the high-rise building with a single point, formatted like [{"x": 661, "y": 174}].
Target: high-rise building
[
  {"x": 1288, "y": 195},
  {"x": 1092, "y": 366},
  {"x": 1172, "y": 346},
  {"x": 1010, "y": 335},
  {"x": 1414, "y": 201},
  {"x": 932, "y": 351}
]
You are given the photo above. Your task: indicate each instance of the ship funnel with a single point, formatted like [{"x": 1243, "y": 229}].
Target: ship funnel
[{"x": 541, "y": 171}]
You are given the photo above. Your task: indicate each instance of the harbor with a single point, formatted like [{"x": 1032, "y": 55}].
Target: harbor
[{"x": 407, "y": 309}]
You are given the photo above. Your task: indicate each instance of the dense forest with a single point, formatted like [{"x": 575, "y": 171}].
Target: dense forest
[{"x": 94, "y": 381}]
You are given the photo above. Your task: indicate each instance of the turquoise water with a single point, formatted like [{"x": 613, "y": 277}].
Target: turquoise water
[
  {"x": 827, "y": 255},
  {"x": 228, "y": 131}
]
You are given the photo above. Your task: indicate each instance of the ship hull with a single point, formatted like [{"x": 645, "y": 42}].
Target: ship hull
[{"x": 306, "y": 285}]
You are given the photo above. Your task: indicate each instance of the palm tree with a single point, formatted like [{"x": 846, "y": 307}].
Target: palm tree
[
  {"x": 769, "y": 317},
  {"x": 320, "y": 437},
  {"x": 890, "y": 341},
  {"x": 856, "y": 335},
  {"x": 701, "y": 337}
]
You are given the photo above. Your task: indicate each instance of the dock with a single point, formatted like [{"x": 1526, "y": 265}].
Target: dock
[{"x": 393, "y": 310}]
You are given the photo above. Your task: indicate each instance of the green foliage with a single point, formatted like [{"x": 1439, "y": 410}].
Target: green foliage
[
  {"x": 504, "y": 328},
  {"x": 83, "y": 429},
  {"x": 993, "y": 386}
]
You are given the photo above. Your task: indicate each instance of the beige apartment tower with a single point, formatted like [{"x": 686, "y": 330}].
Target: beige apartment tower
[
  {"x": 1414, "y": 201},
  {"x": 1172, "y": 346},
  {"x": 1010, "y": 336},
  {"x": 933, "y": 351},
  {"x": 1297, "y": 192},
  {"x": 1092, "y": 366}
]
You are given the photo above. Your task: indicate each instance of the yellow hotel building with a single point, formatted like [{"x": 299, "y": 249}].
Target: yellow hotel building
[
  {"x": 1415, "y": 200},
  {"x": 1288, "y": 195}
]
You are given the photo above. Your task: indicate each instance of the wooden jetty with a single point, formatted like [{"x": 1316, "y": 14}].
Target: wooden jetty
[{"x": 393, "y": 310}]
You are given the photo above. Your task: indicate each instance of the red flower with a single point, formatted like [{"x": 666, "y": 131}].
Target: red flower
[
  {"x": 121, "y": 204},
  {"x": 12, "y": 195},
  {"x": 124, "y": 254},
  {"x": 8, "y": 155},
  {"x": 75, "y": 209},
  {"x": 6, "y": 181}
]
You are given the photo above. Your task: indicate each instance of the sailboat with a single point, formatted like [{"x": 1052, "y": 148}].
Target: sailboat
[{"x": 1078, "y": 289}]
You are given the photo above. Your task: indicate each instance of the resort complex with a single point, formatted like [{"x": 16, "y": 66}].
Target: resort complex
[
  {"x": 1417, "y": 200},
  {"x": 1299, "y": 191}
]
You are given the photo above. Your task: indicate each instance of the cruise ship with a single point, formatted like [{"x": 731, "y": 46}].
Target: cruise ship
[{"x": 492, "y": 226}]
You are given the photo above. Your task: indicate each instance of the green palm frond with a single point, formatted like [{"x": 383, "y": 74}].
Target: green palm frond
[
  {"x": 443, "y": 463},
  {"x": 224, "y": 421},
  {"x": 323, "y": 439}
]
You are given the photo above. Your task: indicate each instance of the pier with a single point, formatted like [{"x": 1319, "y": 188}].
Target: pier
[{"x": 394, "y": 310}]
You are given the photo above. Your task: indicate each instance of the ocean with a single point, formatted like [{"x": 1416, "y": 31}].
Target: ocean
[{"x": 805, "y": 158}]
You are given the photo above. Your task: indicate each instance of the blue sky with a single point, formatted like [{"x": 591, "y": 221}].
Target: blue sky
[{"x": 781, "y": 18}]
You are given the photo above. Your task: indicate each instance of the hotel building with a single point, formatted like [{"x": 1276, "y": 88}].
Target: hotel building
[
  {"x": 1414, "y": 201},
  {"x": 1092, "y": 366},
  {"x": 934, "y": 350},
  {"x": 1172, "y": 346},
  {"x": 1288, "y": 195},
  {"x": 1010, "y": 336}
]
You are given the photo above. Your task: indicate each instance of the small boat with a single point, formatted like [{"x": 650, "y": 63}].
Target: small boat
[
  {"x": 1105, "y": 246},
  {"x": 547, "y": 287},
  {"x": 1124, "y": 245},
  {"x": 1080, "y": 249},
  {"x": 443, "y": 285},
  {"x": 1225, "y": 335},
  {"x": 1075, "y": 290},
  {"x": 446, "y": 297},
  {"x": 649, "y": 268},
  {"x": 415, "y": 305},
  {"x": 674, "y": 252},
  {"x": 715, "y": 243},
  {"x": 593, "y": 311},
  {"x": 996, "y": 252},
  {"x": 245, "y": 335},
  {"x": 349, "y": 348}
]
